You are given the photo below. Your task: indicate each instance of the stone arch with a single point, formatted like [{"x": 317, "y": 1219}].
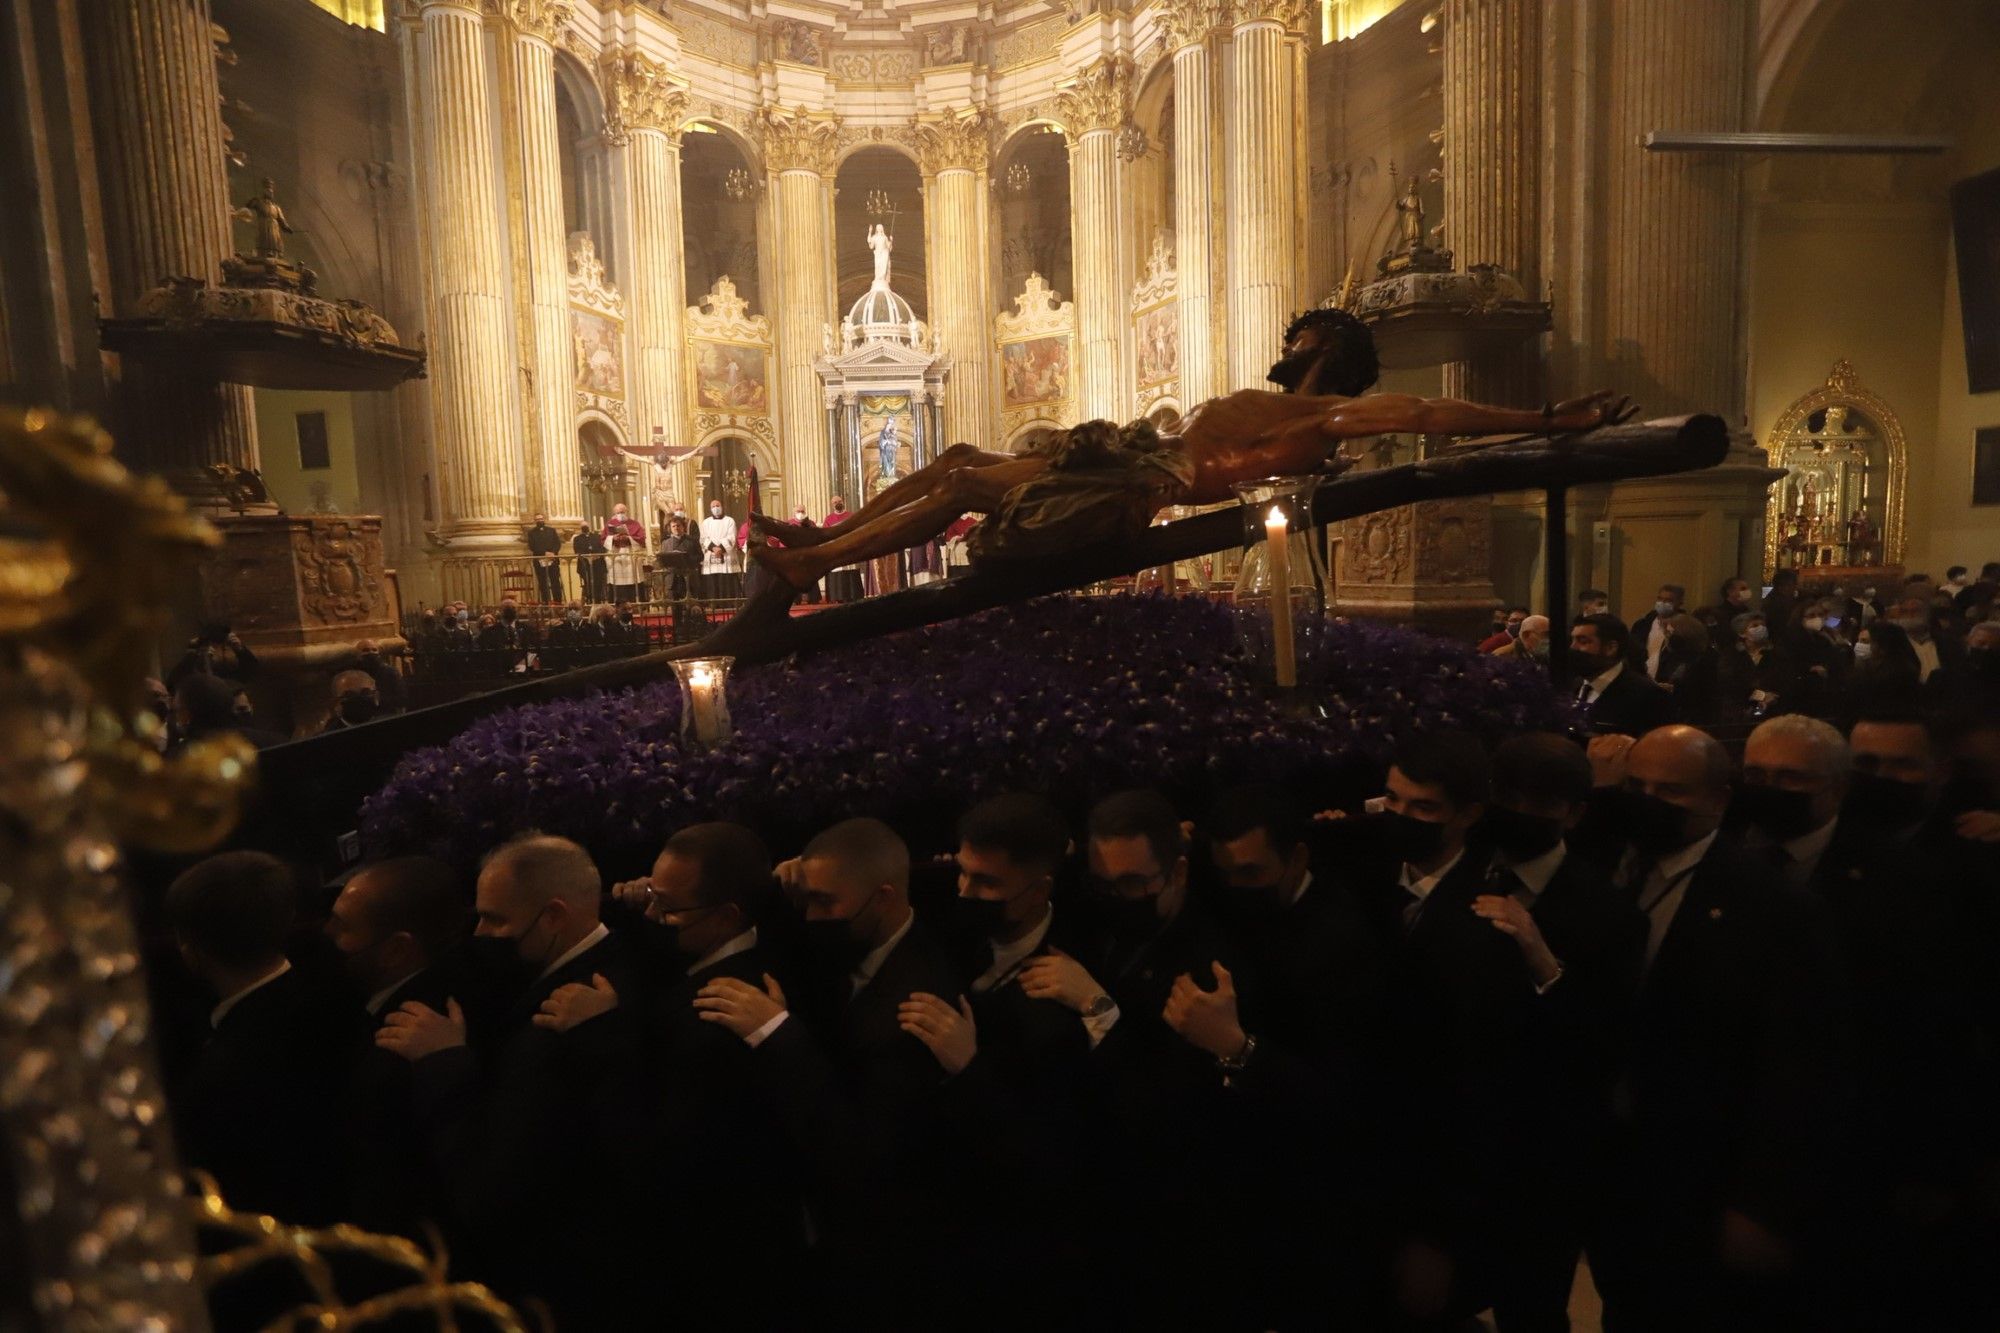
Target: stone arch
[{"x": 1030, "y": 225}]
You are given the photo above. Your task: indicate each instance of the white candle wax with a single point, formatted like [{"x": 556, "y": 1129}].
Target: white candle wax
[
  {"x": 704, "y": 707},
  {"x": 1283, "y": 653}
]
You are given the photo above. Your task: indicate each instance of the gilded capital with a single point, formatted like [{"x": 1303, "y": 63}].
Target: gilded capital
[
  {"x": 1188, "y": 22},
  {"x": 961, "y": 142},
  {"x": 638, "y": 95},
  {"x": 534, "y": 18},
  {"x": 1098, "y": 98},
  {"x": 798, "y": 140},
  {"x": 1287, "y": 14}
]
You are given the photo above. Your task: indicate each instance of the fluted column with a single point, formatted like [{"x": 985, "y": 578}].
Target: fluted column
[
  {"x": 645, "y": 115},
  {"x": 1261, "y": 164},
  {"x": 1671, "y": 328},
  {"x": 954, "y": 155},
  {"x": 799, "y": 152},
  {"x": 1187, "y": 24},
  {"x": 1492, "y": 176},
  {"x": 1093, "y": 109},
  {"x": 475, "y": 421},
  {"x": 544, "y": 248},
  {"x": 167, "y": 210}
]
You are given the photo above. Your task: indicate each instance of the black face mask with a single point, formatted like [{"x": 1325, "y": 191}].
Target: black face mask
[
  {"x": 1128, "y": 920},
  {"x": 1781, "y": 814},
  {"x": 1238, "y": 905},
  {"x": 1654, "y": 826},
  {"x": 244, "y": 717},
  {"x": 357, "y": 708},
  {"x": 983, "y": 917},
  {"x": 508, "y": 613},
  {"x": 497, "y": 967},
  {"x": 1884, "y": 804},
  {"x": 1409, "y": 838},
  {"x": 1984, "y": 662},
  {"x": 1519, "y": 837},
  {"x": 833, "y": 944},
  {"x": 1587, "y": 666}
]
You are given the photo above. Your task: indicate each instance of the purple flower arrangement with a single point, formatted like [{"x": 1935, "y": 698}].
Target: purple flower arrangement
[{"x": 1071, "y": 696}]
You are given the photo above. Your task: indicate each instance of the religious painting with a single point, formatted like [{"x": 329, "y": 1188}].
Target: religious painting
[
  {"x": 1986, "y": 466},
  {"x": 1035, "y": 371},
  {"x": 600, "y": 360},
  {"x": 1158, "y": 341},
  {"x": 888, "y": 440},
  {"x": 729, "y": 377}
]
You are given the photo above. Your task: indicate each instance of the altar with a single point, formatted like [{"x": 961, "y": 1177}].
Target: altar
[
  {"x": 1838, "y": 510},
  {"x": 883, "y": 375}
]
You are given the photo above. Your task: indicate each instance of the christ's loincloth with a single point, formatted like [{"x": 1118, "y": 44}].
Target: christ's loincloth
[{"x": 1103, "y": 485}]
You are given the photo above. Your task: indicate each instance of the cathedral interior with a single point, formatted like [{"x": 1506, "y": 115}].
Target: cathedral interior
[{"x": 375, "y": 287}]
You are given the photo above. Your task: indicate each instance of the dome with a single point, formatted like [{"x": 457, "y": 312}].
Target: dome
[{"x": 881, "y": 315}]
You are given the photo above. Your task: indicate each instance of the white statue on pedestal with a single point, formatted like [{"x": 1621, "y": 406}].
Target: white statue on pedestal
[{"x": 879, "y": 242}]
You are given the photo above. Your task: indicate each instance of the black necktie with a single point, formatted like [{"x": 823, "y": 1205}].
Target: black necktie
[{"x": 1503, "y": 881}]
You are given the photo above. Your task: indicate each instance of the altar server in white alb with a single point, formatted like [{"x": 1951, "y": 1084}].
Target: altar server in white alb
[{"x": 718, "y": 553}]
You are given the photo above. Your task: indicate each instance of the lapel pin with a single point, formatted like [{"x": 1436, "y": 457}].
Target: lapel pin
[{"x": 1715, "y": 914}]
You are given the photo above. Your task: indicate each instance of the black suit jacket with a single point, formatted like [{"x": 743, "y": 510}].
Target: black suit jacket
[
  {"x": 1732, "y": 1078},
  {"x": 392, "y": 1184},
  {"x": 1631, "y": 705},
  {"x": 510, "y": 1123},
  {"x": 259, "y": 1107},
  {"x": 859, "y": 1098}
]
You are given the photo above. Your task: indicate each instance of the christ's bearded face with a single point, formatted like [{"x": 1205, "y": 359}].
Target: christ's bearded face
[{"x": 1289, "y": 372}]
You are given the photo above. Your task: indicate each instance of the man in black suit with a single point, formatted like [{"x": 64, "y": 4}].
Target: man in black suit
[
  {"x": 1169, "y": 1150},
  {"x": 1649, "y": 632},
  {"x": 857, "y": 1093},
  {"x": 392, "y": 926},
  {"x": 1312, "y": 1077},
  {"x": 700, "y": 1126},
  {"x": 1729, "y": 1099},
  {"x": 1579, "y": 942},
  {"x": 503, "y": 1105},
  {"x": 1018, "y": 1064},
  {"x": 1618, "y": 697},
  {"x": 259, "y": 1106},
  {"x": 1453, "y": 990}
]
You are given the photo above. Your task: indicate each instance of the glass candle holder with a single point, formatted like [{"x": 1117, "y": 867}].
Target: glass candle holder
[
  {"x": 704, "y": 699},
  {"x": 1282, "y": 573}
]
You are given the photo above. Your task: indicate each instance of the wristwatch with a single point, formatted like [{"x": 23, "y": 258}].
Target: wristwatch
[
  {"x": 1234, "y": 1064},
  {"x": 1100, "y": 1005}
]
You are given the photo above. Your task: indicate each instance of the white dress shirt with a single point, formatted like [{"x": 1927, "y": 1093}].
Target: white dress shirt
[
  {"x": 1656, "y": 643},
  {"x": 736, "y": 944},
  {"x": 1422, "y": 885},
  {"x": 1535, "y": 873},
  {"x": 1802, "y": 853},
  {"x": 1601, "y": 682},
  {"x": 381, "y": 997},
  {"x": 576, "y": 950},
  {"x": 1660, "y": 896},
  {"x": 221, "y": 1011},
  {"x": 1008, "y": 957},
  {"x": 1927, "y": 657}
]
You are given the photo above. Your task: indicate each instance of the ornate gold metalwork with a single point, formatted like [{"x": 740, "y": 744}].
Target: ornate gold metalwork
[
  {"x": 1842, "y": 396},
  {"x": 306, "y": 1251},
  {"x": 84, "y": 595}
]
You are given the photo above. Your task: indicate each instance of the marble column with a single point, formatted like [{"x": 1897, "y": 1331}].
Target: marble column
[
  {"x": 1187, "y": 24},
  {"x": 1668, "y": 329},
  {"x": 1261, "y": 174},
  {"x": 475, "y": 417},
  {"x": 954, "y": 155},
  {"x": 645, "y": 115},
  {"x": 1492, "y": 174},
  {"x": 156, "y": 106},
  {"x": 1671, "y": 332},
  {"x": 799, "y": 153},
  {"x": 1093, "y": 109},
  {"x": 543, "y": 248}
]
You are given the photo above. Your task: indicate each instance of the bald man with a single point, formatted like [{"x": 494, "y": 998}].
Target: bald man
[
  {"x": 1728, "y": 1101},
  {"x": 543, "y": 1205}
]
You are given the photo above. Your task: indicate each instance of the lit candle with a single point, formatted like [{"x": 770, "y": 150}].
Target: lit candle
[
  {"x": 1277, "y": 544},
  {"x": 704, "y": 704}
]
